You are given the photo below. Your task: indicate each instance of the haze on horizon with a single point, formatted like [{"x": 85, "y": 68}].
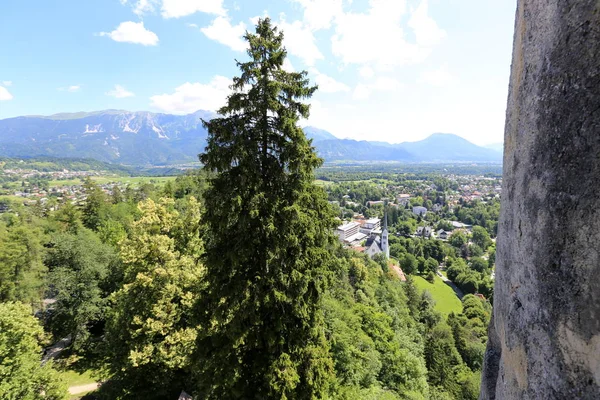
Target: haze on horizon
[{"x": 416, "y": 67}]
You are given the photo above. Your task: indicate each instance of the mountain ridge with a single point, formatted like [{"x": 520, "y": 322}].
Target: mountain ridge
[{"x": 147, "y": 138}]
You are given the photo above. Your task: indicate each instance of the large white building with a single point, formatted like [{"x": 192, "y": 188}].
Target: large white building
[
  {"x": 370, "y": 226},
  {"x": 350, "y": 232}
]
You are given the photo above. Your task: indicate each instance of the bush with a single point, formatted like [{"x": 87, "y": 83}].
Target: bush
[{"x": 430, "y": 277}]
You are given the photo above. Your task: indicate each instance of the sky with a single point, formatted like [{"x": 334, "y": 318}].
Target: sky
[{"x": 389, "y": 70}]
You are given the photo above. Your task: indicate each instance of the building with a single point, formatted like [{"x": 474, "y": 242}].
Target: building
[
  {"x": 460, "y": 225},
  {"x": 347, "y": 230},
  {"x": 349, "y": 233},
  {"x": 385, "y": 244},
  {"x": 424, "y": 231},
  {"x": 373, "y": 246},
  {"x": 371, "y": 203},
  {"x": 443, "y": 235},
  {"x": 370, "y": 226},
  {"x": 420, "y": 211},
  {"x": 403, "y": 199},
  {"x": 379, "y": 244}
]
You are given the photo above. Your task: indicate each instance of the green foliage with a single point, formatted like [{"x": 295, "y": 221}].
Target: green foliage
[
  {"x": 441, "y": 357},
  {"x": 481, "y": 237},
  {"x": 95, "y": 206},
  {"x": 374, "y": 341},
  {"x": 469, "y": 330},
  {"x": 22, "y": 271},
  {"x": 431, "y": 266},
  {"x": 268, "y": 229},
  {"x": 79, "y": 267},
  {"x": 434, "y": 249},
  {"x": 478, "y": 264},
  {"x": 409, "y": 263},
  {"x": 21, "y": 376},
  {"x": 458, "y": 239},
  {"x": 150, "y": 337}
]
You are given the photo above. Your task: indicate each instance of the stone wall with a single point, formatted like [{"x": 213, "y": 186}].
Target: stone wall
[{"x": 545, "y": 333}]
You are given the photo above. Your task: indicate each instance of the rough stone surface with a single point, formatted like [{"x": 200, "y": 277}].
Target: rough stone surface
[{"x": 545, "y": 333}]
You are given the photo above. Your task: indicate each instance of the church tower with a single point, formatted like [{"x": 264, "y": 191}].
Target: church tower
[{"x": 385, "y": 246}]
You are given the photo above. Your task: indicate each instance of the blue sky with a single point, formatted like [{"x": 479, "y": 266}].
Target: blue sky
[{"x": 392, "y": 70}]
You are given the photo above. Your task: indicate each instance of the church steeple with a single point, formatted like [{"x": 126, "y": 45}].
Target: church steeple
[{"x": 385, "y": 247}]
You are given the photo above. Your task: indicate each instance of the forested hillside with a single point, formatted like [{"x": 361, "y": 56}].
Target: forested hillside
[{"x": 125, "y": 275}]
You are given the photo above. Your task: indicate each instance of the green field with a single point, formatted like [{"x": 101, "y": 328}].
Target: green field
[
  {"x": 446, "y": 300},
  {"x": 74, "y": 378},
  {"x": 133, "y": 180},
  {"x": 320, "y": 182}
]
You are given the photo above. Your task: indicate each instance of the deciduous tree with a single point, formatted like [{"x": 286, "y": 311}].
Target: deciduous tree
[{"x": 21, "y": 376}]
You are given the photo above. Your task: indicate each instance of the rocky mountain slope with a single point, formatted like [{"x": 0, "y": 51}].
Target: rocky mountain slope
[{"x": 145, "y": 138}]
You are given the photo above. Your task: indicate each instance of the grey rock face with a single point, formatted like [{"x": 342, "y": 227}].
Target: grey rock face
[{"x": 545, "y": 333}]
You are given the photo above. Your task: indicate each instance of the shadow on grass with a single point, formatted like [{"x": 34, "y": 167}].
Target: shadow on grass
[{"x": 455, "y": 288}]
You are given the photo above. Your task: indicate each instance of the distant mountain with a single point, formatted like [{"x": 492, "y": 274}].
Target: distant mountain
[
  {"x": 317, "y": 134},
  {"x": 449, "y": 147},
  {"x": 353, "y": 150},
  {"x": 112, "y": 135},
  {"x": 145, "y": 138}
]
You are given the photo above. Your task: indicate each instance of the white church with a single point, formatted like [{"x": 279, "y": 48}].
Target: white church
[{"x": 379, "y": 244}]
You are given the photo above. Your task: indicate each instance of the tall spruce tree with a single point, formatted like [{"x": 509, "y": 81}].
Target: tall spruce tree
[{"x": 268, "y": 232}]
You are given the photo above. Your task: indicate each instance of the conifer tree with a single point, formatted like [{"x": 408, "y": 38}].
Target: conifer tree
[{"x": 267, "y": 238}]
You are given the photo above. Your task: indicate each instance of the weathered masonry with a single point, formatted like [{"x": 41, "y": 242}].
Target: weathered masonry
[{"x": 545, "y": 334}]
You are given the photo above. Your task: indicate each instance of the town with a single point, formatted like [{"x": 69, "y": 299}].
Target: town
[{"x": 431, "y": 226}]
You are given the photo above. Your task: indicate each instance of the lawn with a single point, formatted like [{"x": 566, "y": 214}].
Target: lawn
[
  {"x": 133, "y": 180},
  {"x": 446, "y": 300},
  {"x": 320, "y": 182},
  {"x": 74, "y": 378}
]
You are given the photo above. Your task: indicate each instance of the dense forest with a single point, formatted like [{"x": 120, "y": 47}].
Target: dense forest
[
  {"x": 227, "y": 283},
  {"x": 126, "y": 277}
]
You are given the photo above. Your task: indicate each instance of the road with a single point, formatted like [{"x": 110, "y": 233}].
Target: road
[{"x": 448, "y": 282}]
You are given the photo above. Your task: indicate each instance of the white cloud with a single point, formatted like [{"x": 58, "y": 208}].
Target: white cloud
[
  {"x": 327, "y": 84},
  {"x": 119, "y": 92},
  {"x": 380, "y": 39},
  {"x": 437, "y": 77},
  {"x": 366, "y": 72},
  {"x": 363, "y": 91},
  {"x": 300, "y": 41},
  {"x": 319, "y": 14},
  {"x": 425, "y": 28},
  {"x": 71, "y": 89},
  {"x": 377, "y": 37},
  {"x": 5, "y": 94},
  {"x": 7, "y": 83},
  {"x": 223, "y": 32},
  {"x": 132, "y": 32},
  {"x": 191, "y": 97},
  {"x": 181, "y": 8}
]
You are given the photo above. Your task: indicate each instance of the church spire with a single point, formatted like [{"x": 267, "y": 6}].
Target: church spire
[
  {"x": 385, "y": 246},
  {"x": 385, "y": 220}
]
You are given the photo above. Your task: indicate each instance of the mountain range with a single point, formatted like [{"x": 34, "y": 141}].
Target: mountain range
[{"x": 145, "y": 138}]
